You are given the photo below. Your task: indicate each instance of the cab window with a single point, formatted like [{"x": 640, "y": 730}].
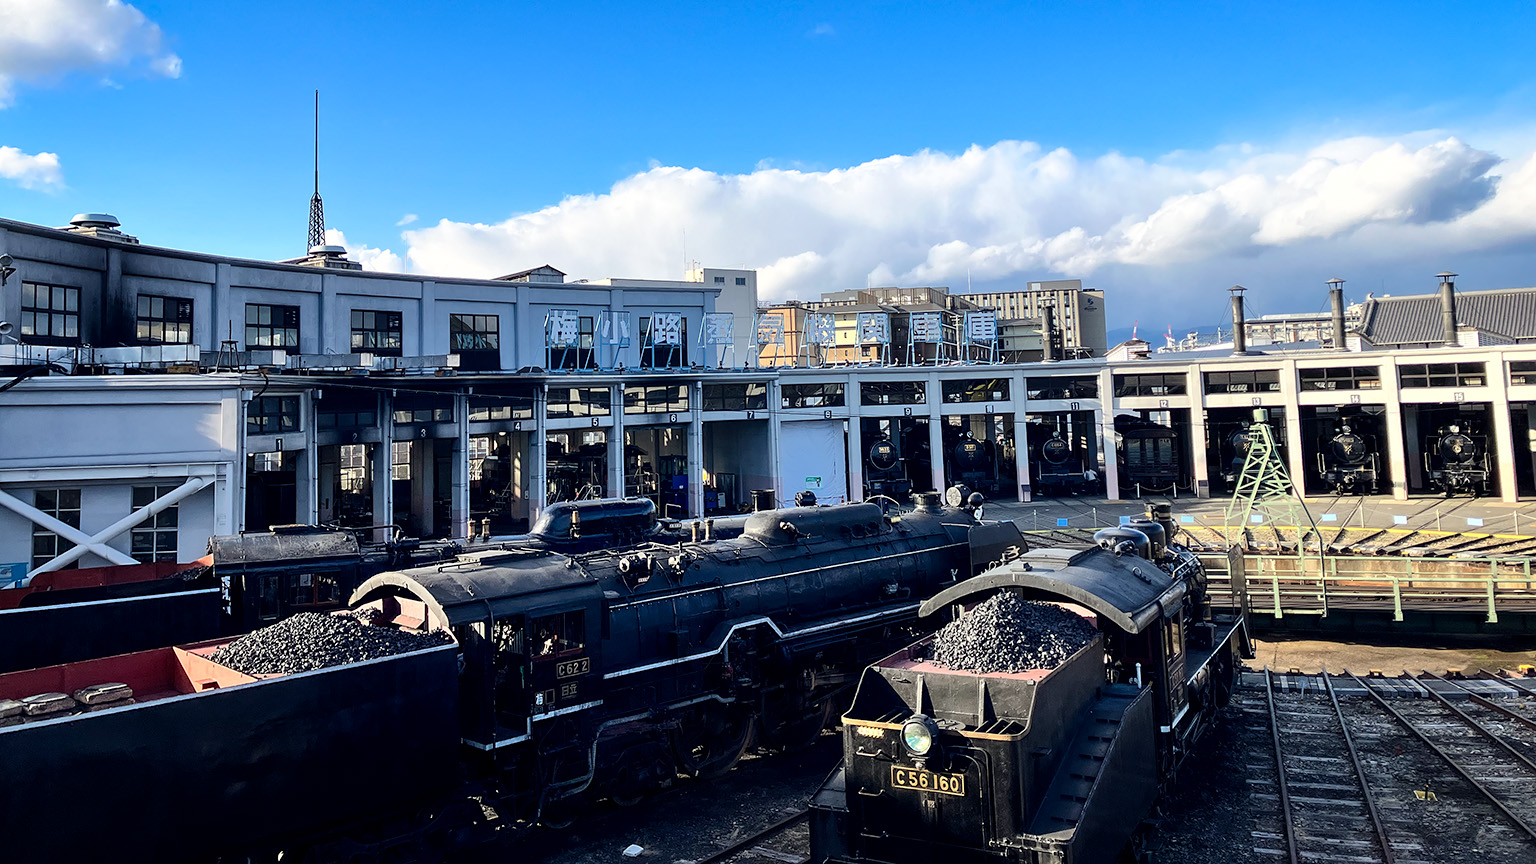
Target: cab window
[{"x": 561, "y": 633}]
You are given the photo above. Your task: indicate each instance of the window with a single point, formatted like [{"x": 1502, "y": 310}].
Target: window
[
  {"x": 892, "y": 393},
  {"x": 736, "y": 397},
  {"x": 1172, "y": 384},
  {"x": 1442, "y": 375},
  {"x": 561, "y": 633},
  {"x": 272, "y": 415},
  {"x": 1243, "y": 381},
  {"x": 741, "y": 280},
  {"x": 354, "y": 467},
  {"x": 474, "y": 332},
  {"x": 63, "y": 505},
  {"x": 347, "y": 419},
  {"x": 312, "y": 589},
  {"x": 1074, "y": 387},
  {"x": 479, "y": 451},
  {"x": 424, "y": 415},
  {"x": 811, "y": 395},
  {"x": 165, "y": 320},
  {"x": 50, "y": 313},
  {"x": 271, "y": 326},
  {"x": 1522, "y": 372},
  {"x": 400, "y": 460},
  {"x": 502, "y": 407},
  {"x": 262, "y": 463},
  {"x": 663, "y": 356},
  {"x": 377, "y": 332},
  {"x": 975, "y": 390},
  {"x": 579, "y": 357},
  {"x": 578, "y": 402},
  {"x": 154, "y": 539},
  {"x": 656, "y": 399},
  {"x": 1341, "y": 378},
  {"x": 719, "y": 280}
]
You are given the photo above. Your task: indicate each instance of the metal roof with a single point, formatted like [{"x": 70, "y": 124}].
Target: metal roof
[{"x": 1508, "y": 314}]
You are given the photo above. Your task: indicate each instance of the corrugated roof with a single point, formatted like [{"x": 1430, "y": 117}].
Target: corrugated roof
[{"x": 1509, "y": 313}]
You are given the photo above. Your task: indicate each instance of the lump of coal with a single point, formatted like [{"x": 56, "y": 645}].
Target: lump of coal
[
  {"x": 313, "y": 640},
  {"x": 1008, "y": 634}
]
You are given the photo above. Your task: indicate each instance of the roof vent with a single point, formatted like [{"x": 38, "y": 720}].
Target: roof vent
[
  {"x": 326, "y": 257},
  {"x": 328, "y": 251},
  {"x": 103, "y": 226}
]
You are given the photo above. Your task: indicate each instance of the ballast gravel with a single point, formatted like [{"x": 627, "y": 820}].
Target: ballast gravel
[
  {"x": 312, "y": 640},
  {"x": 1008, "y": 634}
]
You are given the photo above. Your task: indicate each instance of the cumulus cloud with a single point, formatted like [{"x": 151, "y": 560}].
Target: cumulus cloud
[
  {"x": 1149, "y": 231},
  {"x": 42, "y": 40},
  {"x": 370, "y": 257},
  {"x": 39, "y": 171}
]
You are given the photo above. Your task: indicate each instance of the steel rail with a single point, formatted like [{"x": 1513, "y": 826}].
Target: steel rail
[
  {"x": 1490, "y": 704},
  {"x": 1471, "y": 721},
  {"x": 1365, "y": 787},
  {"x": 741, "y": 845},
  {"x": 1285, "y": 789},
  {"x": 1456, "y": 766}
]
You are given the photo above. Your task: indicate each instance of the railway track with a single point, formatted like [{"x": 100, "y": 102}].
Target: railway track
[
  {"x": 1391, "y": 770},
  {"x": 787, "y": 841}
]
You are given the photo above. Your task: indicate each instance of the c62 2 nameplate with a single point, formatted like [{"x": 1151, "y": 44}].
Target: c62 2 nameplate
[
  {"x": 574, "y": 667},
  {"x": 927, "y": 781}
]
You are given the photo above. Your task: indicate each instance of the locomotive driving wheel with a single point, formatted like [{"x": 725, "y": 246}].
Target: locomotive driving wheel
[
  {"x": 711, "y": 746},
  {"x": 799, "y": 733}
]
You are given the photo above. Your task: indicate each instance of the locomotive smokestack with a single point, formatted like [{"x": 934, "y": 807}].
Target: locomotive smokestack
[
  {"x": 1336, "y": 299},
  {"x": 1047, "y": 334},
  {"x": 1448, "y": 308},
  {"x": 764, "y": 499},
  {"x": 1239, "y": 332}
]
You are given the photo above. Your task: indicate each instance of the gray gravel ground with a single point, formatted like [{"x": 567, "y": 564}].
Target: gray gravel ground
[
  {"x": 1009, "y": 634},
  {"x": 313, "y": 640}
]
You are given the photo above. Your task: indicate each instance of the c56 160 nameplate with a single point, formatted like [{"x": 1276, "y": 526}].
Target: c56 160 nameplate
[{"x": 927, "y": 781}]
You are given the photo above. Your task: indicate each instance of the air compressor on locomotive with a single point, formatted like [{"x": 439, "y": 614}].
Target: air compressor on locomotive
[{"x": 1042, "y": 765}]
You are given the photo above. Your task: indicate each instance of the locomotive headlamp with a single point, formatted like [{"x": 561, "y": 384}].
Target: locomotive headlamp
[{"x": 918, "y": 734}]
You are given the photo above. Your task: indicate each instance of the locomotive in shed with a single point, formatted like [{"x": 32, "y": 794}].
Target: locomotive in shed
[
  {"x": 884, "y": 471},
  {"x": 1058, "y": 465},
  {"x": 1037, "y": 765},
  {"x": 1348, "y": 462},
  {"x": 1457, "y": 462},
  {"x": 1148, "y": 453},
  {"x": 566, "y": 679}
]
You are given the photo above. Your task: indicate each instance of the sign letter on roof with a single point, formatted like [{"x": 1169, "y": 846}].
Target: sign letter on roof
[
  {"x": 981, "y": 326},
  {"x": 667, "y": 329},
  {"x": 719, "y": 328},
  {"x": 927, "y": 328},
  {"x": 874, "y": 328},
  {"x": 562, "y": 328}
]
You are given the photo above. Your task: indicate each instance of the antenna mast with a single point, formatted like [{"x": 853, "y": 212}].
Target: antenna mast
[{"x": 316, "y": 207}]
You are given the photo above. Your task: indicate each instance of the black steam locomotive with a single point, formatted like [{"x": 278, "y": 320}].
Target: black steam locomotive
[
  {"x": 1348, "y": 462},
  {"x": 1457, "y": 462},
  {"x": 884, "y": 471},
  {"x": 972, "y": 464},
  {"x": 567, "y": 679},
  {"x": 1058, "y": 467},
  {"x": 1234, "y": 453},
  {"x": 1043, "y": 765},
  {"x": 1148, "y": 453}
]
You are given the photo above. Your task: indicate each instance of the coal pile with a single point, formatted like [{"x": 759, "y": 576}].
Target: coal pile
[
  {"x": 312, "y": 640},
  {"x": 1008, "y": 634}
]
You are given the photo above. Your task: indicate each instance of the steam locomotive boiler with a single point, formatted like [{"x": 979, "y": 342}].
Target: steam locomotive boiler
[
  {"x": 972, "y": 463},
  {"x": 1057, "y": 464},
  {"x": 1348, "y": 462},
  {"x": 884, "y": 471},
  {"x": 1457, "y": 462},
  {"x": 563, "y": 679},
  {"x": 1036, "y": 765}
]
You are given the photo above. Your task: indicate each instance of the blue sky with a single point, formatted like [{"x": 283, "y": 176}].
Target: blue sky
[{"x": 746, "y": 127}]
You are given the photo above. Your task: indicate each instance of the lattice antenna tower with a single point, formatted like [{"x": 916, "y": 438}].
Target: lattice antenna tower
[
  {"x": 316, "y": 206},
  {"x": 1264, "y": 489}
]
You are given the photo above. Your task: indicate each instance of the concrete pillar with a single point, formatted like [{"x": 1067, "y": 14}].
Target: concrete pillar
[
  {"x": 224, "y": 489},
  {"x": 328, "y": 323},
  {"x": 616, "y": 443},
  {"x": 1199, "y": 461},
  {"x": 538, "y": 454},
  {"x": 423, "y": 485},
  {"x": 307, "y": 472},
  {"x": 775, "y": 406},
  {"x": 460, "y": 486},
  {"x": 223, "y": 318},
  {"x": 935, "y": 434},
  {"x": 1530, "y": 436},
  {"x": 1296, "y": 461},
  {"x": 380, "y": 471},
  {"x": 1413, "y": 441},
  {"x": 1020, "y": 393},
  {"x": 425, "y": 337},
  {"x": 695, "y": 449},
  {"x": 856, "y": 448},
  {"x": 1503, "y": 433},
  {"x": 1104, "y": 415}
]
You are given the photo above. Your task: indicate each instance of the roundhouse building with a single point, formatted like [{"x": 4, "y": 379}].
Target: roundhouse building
[{"x": 152, "y": 397}]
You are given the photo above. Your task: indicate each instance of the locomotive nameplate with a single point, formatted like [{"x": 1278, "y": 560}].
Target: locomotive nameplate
[
  {"x": 927, "y": 781},
  {"x": 572, "y": 668}
]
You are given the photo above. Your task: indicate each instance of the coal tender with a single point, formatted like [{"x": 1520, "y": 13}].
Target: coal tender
[{"x": 1041, "y": 723}]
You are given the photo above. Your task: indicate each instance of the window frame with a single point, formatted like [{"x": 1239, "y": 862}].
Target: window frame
[
  {"x": 145, "y": 321},
  {"x": 63, "y": 317},
  {"x": 288, "y": 327},
  {"x": 378, "y": 331},
  {"x": 69, "y": 515},
  {"x": 157, "y": 528}
]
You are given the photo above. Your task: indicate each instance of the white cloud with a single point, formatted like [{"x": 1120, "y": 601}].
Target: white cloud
[
  {"x": 370, "y": 257},
  {"x": 1151, "y": 232},
  {"x": 41, "y": 40},
  {"x": 40, "y": 171},
  {"x": 406, "y": 220},
  {"x": 822, "y": 29}
]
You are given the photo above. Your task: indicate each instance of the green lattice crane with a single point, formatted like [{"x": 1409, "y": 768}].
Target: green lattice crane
[{"x": 1264, "y": 489}]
